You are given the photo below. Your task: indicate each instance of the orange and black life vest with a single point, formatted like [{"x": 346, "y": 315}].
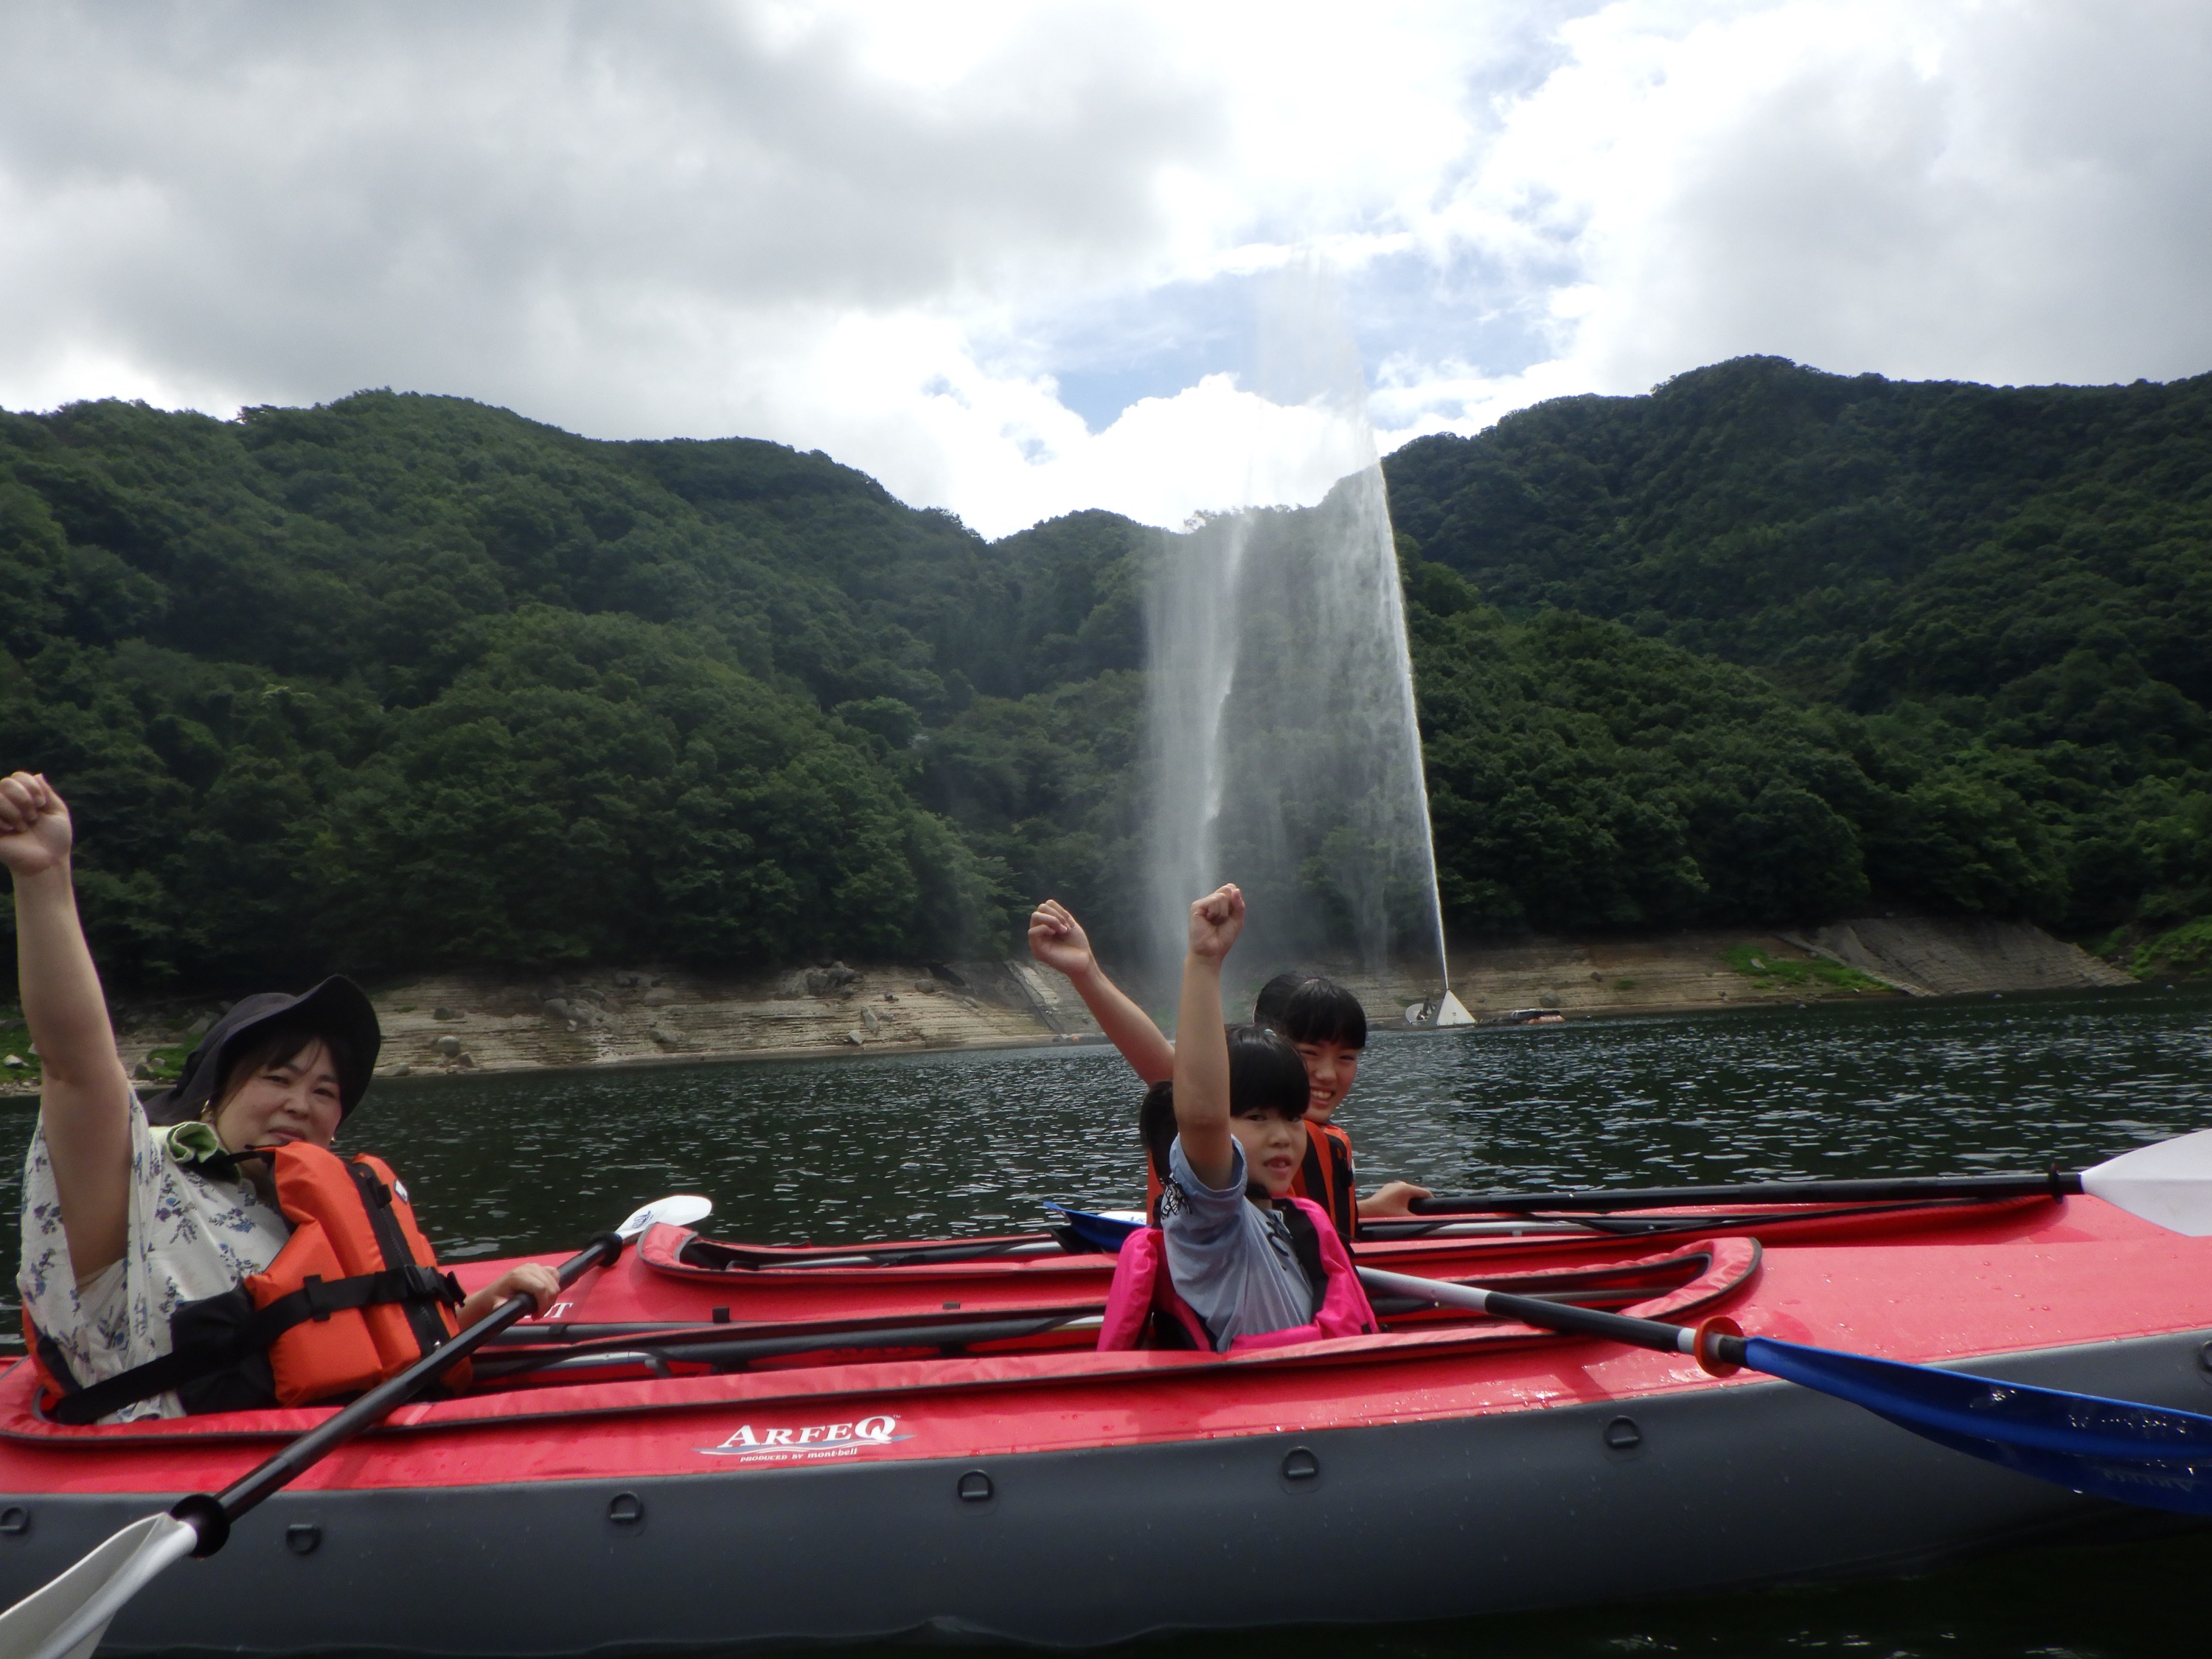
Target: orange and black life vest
[
  {"x": 354, "y": 1296},
  {"x": 1325, "y": 1176}
]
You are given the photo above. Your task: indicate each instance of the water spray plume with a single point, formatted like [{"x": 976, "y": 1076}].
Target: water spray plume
[{"x": 1283, "y": 751}]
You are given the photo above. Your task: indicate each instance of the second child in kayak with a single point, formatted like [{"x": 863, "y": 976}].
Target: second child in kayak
[
  {"x": 1234, "y": 1260},
  {"x": 1323, "y": 1022}
]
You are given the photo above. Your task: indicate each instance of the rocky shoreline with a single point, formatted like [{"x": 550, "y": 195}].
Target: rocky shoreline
[
  {"x": 463, "y": 1024},
  {"x": 1867, "y": 957}
]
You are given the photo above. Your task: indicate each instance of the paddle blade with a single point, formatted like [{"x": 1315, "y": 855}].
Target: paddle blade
[
  {"x": 2169, "y": 1184},
  {"x": 1103, "y": 1230},
  {"x": 678, "y": 1209},
  {"x": 2131, "y": 1454},
  {"x": 66, "y": 1619}
]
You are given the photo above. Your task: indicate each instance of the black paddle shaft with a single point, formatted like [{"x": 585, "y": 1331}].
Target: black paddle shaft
[
  {"x": 211, "y": 1515},
  {"x": 1723, "y": 1346},
  {"x": 1654, "y": 1333},
  {"x": 2056, "y": 1184}
]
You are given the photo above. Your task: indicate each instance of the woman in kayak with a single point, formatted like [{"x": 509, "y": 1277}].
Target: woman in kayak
[
  {"x": 134, "y": 1212},
  {"x": 1246, "y": 1264},
  {"x": 1323, "y": 1021}
]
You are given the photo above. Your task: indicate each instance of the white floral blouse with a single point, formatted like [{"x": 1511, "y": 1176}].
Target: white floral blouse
[{"x": 191, "y": 1234}]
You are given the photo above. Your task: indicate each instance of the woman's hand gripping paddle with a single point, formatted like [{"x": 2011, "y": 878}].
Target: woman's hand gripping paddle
[
  {"x": 2168, "y": 1184},
  {"x": 2131, "y": 1454},
  {"x": 66, "y": 1619}
]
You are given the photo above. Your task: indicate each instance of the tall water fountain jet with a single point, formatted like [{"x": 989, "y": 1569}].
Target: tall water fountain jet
[{"x": 1283, "y": 752}]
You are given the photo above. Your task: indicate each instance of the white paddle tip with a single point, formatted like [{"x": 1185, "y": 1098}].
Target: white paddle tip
[
  {"x": 678, "y": 1209},
  {"x": 66, "y": 1619},
  {"x": 2168, "y": 1184}
]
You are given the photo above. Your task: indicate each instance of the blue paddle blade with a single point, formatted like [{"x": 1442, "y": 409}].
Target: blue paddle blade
[
  {"x": 2131, "y": 1454},
  {"x": 1102, "y": 1232}
]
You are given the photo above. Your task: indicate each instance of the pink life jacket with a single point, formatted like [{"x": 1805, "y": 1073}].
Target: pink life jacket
[{"x": 1143, "y": 1303}]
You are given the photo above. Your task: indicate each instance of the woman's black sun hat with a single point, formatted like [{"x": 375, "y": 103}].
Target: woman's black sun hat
[{"x": 338, "y": 1008}]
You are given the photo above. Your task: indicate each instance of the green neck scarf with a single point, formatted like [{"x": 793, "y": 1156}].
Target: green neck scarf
[{"x": 195, "y": 1143}]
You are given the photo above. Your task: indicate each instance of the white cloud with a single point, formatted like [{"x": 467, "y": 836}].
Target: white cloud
[
  {"x": 2015, "y": 192},
  {"x": 897, "y": 232}
]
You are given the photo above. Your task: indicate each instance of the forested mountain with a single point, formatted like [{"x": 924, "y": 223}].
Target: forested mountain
[
  {"x": 405, "y": 681},
  {"x": 2005, "y": 592}
]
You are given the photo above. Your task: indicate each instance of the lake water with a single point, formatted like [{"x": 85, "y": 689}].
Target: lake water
[{"x": 924, "y": 1144}]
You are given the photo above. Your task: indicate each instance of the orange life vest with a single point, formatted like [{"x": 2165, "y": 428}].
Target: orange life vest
[
  {"x": 1326, "y": 1177},
  {"x": 354, "y": 1297}
]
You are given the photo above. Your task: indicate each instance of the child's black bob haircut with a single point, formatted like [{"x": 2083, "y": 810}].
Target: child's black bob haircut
[
  {"x": 1265, "y": 1075},
  {"x": 1308, "y": 1008}
]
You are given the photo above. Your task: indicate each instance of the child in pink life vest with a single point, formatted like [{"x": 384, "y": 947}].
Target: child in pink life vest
[
  {"x": 1323, "y": 1022},
  {"x": 1235, "y": 1263}
]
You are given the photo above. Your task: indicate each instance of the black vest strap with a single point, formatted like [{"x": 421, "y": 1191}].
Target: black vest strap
[
  {"x": 56, "y": 1363},
  {"x": 1305, "y": 1244},
  {"x": 422, "y": 1319},
  {"x": 233, "y": 1333}
]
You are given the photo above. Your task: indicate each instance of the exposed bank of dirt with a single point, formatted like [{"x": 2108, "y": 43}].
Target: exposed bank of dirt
[
  {"x": 1959, "y": 955},
  {"x": 1865, "y": 957},
  {"x": 458, "y": 1023}
]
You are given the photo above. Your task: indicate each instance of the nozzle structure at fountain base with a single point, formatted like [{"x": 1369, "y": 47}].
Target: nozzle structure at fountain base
[{"x": 1438, "y": 1013}]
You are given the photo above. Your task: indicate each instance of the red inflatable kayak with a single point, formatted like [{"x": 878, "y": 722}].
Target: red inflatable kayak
[{"x": 709, "y": 1444}]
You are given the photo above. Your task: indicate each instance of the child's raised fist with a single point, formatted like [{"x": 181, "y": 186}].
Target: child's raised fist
[
  {"x": 34, "y": 825},
  {"x": 1215, "y": 921},
  {"x": 1057, "y": 941}
]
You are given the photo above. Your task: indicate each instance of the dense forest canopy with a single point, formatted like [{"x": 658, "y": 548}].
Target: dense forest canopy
[
  {"x": 1997, "y": 601},
  {"x": 405, "y": 681}
]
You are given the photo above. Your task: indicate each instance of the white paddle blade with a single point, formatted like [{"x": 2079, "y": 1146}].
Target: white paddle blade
[
  {"x": 2169, "y": 1184},
  {"x": 678, "y": 1210},
  {"x": 66, "y": 1619}
]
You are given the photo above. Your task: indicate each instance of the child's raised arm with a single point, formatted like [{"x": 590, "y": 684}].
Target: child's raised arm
[
  {"x": 1057, "y": 941},
  {"x": 85, "y": 1102},
  {"x": 1201, "y": 1054}
]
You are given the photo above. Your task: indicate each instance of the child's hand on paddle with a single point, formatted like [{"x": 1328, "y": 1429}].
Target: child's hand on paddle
[
  {"x": 1057, "y": 941},
  {"x": 1393, "y": 1198},
  {"x": 34, "y": 825},
  {"x": 1215, "y": 922}
]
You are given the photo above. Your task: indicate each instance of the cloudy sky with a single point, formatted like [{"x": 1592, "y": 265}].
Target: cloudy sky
[{"x": 1019, "y": 260}]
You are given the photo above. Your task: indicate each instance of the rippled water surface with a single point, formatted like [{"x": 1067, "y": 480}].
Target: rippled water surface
[{"x": 954, "y": 1143}]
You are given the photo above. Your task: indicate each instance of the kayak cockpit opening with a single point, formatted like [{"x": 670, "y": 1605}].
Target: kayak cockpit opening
[
  {"x": 581, "y": 1366},
  {"x": 540, "y": 1354}
]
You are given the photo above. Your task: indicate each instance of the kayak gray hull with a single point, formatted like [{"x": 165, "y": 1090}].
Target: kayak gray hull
[{"x": 1607, "y": 1501}]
